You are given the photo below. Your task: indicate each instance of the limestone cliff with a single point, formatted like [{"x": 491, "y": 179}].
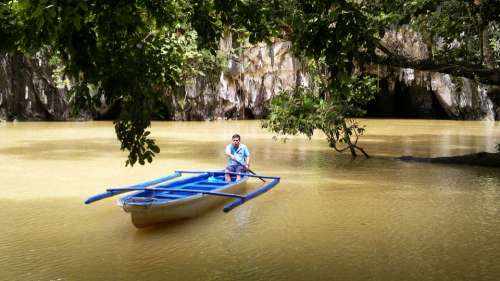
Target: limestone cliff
[
  {"x": 253, "y": 74},
  {"x": 27, "y": 91},
  {"x": 413, "y": 93},
  {"x": 241, "y": 91},
  {"x": 424, "y": 94}
]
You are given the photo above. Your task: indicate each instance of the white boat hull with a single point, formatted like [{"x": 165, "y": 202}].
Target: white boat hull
[{"x": 189, "y": 207}]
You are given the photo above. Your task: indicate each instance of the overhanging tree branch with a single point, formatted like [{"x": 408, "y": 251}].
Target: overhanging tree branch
[{"x": 485, "y": 75}]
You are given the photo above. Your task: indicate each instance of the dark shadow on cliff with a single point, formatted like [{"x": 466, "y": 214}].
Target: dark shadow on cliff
[{"x": 405, "y": 102}]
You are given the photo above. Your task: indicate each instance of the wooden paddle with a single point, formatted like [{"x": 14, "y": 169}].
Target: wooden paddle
[{"x": 239, "y": 163}]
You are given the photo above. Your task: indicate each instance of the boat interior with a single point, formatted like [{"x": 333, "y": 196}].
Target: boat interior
[{"x": 203, "y": 182}]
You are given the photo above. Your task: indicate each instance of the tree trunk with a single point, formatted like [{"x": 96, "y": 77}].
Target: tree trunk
[{"x": 348, "y": 139}]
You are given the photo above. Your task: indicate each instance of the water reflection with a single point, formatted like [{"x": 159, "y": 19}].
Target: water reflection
[{"x": 331, "y": 217}]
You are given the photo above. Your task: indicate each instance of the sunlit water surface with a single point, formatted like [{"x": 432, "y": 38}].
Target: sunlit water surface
[{"x": 330, "y": 218}]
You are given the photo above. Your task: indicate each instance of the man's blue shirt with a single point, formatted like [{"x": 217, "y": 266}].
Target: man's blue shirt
[{"x": 241, "y": 153}]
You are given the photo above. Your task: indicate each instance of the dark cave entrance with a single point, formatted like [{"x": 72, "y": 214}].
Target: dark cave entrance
[{"x": 405, "y": 102}]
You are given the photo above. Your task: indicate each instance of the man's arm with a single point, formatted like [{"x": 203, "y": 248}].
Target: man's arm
[
  {"x": 228, "y": 153},
  {"x": 248, "y": 157}
]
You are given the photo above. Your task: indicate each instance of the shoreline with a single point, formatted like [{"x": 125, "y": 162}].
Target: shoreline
[{"x": 486, "y": 159}]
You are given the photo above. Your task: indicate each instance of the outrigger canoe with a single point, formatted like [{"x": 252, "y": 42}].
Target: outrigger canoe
[{"x": 163, "y": 200}]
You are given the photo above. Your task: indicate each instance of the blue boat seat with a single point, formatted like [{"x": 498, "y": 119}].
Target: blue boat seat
[
  {"x": 201, "y": 186},
  {"x": 219, "y": 183}
]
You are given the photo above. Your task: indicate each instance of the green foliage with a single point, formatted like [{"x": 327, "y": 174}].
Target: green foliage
[
  {"x": 495, "y": 43},
  {"x": 294, "y": 112},
  {"x": 8, "y": 27},
  {"x": 338, "y": 39},
  {"x": 349, "y": 98},
  {"x": 58, "y": 71},
  {"x": 128, "y": 52},
  {"x": 498, "y": 147},
  {"x": 302, "y": 111},
  {"x": 332, "y": 38},
  {"x": 453, "y": 28},
  {"x": 339, "y": 33}
]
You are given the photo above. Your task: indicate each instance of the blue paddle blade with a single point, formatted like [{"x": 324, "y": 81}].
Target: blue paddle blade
[{"x": 98, "y": 197}]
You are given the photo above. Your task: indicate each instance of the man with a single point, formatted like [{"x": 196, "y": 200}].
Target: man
[{"x": 238, "y": 156}]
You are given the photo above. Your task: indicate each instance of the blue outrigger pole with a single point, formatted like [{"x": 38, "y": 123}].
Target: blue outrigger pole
[
  {"x": 251, "y": 195},
  {"x": 115, "y": 191},
  {"x": 242, "y": 199}
]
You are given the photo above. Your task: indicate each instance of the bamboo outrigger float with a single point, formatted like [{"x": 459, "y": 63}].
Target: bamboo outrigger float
[{"x": 160, "y": 201}]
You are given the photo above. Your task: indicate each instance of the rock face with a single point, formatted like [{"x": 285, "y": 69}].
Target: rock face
[
  {"x": 252, "y": 76},
  {"x": 462, "y": 98},
  {"x": 242, "y": 91},
  {"x": 27, "y": 91},
  {"x": 407, "y": 43},
  {"x": 425, "y": 94}
]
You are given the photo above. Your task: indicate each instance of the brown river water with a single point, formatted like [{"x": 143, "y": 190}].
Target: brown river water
[{"x": 330, "y": 218}]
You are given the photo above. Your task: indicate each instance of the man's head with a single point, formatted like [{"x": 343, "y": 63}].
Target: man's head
[{"x": 236, "y": 140}]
